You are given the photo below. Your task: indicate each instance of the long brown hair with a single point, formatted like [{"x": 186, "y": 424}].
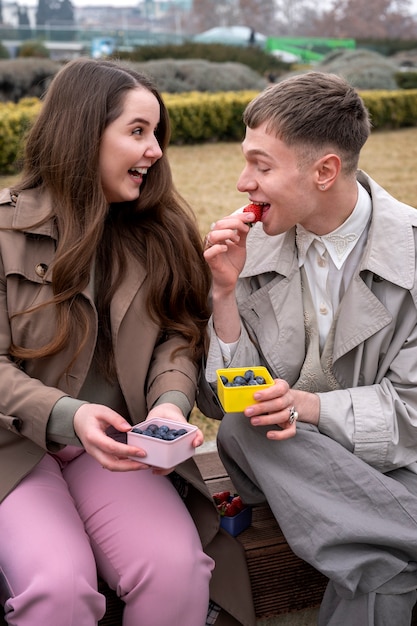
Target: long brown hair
[{"x": 159, "y": 229}]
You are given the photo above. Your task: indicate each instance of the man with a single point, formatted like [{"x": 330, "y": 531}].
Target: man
[{"x": 322, "y": 291}]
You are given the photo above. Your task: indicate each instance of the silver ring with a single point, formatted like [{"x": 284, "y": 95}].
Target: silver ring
[
  {"x": 293, "y": 415},
  {"x": 207, "y": 242}
]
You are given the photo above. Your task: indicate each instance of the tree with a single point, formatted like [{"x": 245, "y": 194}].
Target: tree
[
  {"x": 258, "y": 14},
  {"x": 208, "y": 14},
  {"x": 381, "y": 19}
]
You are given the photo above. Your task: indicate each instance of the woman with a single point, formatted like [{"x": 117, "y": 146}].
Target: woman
[{"x": 103, "y": 310}]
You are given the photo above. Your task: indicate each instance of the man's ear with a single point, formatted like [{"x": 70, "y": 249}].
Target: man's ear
[{"x": 327, "y": 170}]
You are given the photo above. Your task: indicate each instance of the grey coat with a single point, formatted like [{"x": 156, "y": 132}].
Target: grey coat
[{"x": 374, "y": 414}]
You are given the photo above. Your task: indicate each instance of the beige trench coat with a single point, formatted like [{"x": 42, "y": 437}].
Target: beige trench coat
[
  {"x": 374, "y": 414},
  {"x": 27, "y": 395}
]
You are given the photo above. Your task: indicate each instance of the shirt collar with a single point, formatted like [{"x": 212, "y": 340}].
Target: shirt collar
[{"x": 340, "y": 242}]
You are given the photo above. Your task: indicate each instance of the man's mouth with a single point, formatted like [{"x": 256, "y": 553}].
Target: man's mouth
[{"x": 262, "y": 206}]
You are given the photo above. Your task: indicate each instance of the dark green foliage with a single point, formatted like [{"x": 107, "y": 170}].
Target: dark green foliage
[
  {"x": 255, "y": 58},
  {"x": 33, "y": 49},
  {"x": 4, "y": 53},
  {"x": 407, "y": 80},
  {"x": 387, "y": 47}
]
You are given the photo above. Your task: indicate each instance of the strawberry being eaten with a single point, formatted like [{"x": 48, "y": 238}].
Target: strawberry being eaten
[{"x": 256, "y": 209}]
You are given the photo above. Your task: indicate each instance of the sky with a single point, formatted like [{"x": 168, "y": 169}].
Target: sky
[{"x": 133, "y": 3}]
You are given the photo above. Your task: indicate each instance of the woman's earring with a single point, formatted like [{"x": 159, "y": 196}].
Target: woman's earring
[{"x": 322, "y": 187}]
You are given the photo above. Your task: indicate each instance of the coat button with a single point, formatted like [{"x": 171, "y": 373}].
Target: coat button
[{"x": 41, "y": 269}]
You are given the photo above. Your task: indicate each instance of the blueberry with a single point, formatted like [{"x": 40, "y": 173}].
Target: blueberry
[
  {"x": 224, "y": 380},
  {"x": 260, "y": 380},
  {"x": 239, "y": 380},
  {"x": 249, "y": 375},
  {"x": 163, "y": 432}
]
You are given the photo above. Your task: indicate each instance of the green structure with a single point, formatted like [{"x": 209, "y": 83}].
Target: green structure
[{"x": 308, "y": 49}]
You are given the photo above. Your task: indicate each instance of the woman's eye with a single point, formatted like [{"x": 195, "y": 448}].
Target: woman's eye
[{"x": 138, "y": 131}]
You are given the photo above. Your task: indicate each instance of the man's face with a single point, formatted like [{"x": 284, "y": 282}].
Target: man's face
[{"x": 272, "y": 176}]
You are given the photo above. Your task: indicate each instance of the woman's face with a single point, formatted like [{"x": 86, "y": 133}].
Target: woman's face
[{"x": 129, "y": 146}]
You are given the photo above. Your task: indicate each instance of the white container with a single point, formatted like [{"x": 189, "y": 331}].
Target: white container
[{"x": 161, "y": 453}]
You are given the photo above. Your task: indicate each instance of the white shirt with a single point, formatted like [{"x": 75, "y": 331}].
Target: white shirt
[{"x": 329, "y": 261}]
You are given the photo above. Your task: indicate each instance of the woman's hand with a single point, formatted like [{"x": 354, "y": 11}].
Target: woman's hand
[
  {"x": 170, "y": 412},
  {"x": 281, "y": 406},
  {"x": 91, "y": 421}
]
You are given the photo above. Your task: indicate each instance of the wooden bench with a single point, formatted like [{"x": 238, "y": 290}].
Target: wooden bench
[{"x": 281, "y": 582}]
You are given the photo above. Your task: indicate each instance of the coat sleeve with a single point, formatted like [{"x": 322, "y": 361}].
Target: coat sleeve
[
  {"x": 246, "y": 354},
  {"x": 378, "y": 422},
  {"x": 171, "y": 370},
  {"x": 25, "y": 402}
]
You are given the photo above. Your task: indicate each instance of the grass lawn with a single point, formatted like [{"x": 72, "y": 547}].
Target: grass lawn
[{"x": 206, "y": 176}]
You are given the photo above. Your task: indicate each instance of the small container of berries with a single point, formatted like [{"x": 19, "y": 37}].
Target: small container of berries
[
  {"x": 235, "y": 516},
  {"x": 236, "y": 386},
  {"x": 166, "y": 443}
]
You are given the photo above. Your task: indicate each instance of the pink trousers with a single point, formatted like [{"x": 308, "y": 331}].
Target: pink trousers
[{"x": 66, "y": 521}]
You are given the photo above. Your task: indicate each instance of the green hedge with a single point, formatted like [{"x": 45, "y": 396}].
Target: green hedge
[
  {"x": 15, "y": 119},
  {"x": 198, "y": 117}
]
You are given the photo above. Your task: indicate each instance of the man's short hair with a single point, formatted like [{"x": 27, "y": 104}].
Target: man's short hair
[{"x": 314, "y": 112}]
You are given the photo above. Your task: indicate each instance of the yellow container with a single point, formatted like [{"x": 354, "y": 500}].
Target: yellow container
[{"x": 236, "y": 399}]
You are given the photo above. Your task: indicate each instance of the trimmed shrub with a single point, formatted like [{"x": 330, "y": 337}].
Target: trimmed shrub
[
  {"x": 407, "y": 80},
  {"x": 22, "y": 78},
  {"x": 252, "y": 56},
  {"x": 180, "y": 76},
  {"x": 392, "y": 109},
  {"x": 33, "y": 49},
  {"x": 207, "y": 117},
  {"x": 363, "y": 69},
  {"x": 197, "y": 117},
  {"x": 15, "y": 120}
]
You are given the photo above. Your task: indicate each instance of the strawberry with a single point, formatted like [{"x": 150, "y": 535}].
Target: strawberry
[
  {"x": 237, "y": 501},
  {"x": 256, "y": 209},
  {"x": 222, "y": 507},
  {"x": 221, "y": 496},
  {"x": 227, "y": 504},
  {"x": 234, "y": 507}
]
